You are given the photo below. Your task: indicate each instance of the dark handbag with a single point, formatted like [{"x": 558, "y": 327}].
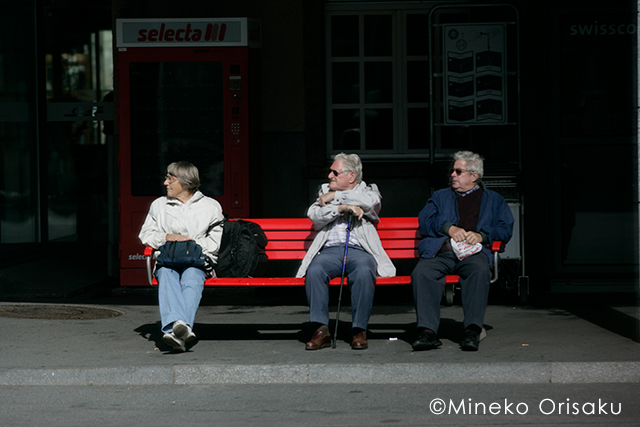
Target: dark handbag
[{"x": 180, "y": 255}]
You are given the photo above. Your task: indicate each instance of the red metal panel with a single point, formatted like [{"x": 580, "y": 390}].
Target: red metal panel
[{"x": 453, "y": 279}]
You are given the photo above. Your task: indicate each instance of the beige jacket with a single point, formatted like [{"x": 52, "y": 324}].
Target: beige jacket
[{"x": 369, "y": 199}]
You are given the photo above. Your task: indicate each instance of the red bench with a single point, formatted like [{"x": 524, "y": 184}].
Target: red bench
[{"x": 289, "y": 239}]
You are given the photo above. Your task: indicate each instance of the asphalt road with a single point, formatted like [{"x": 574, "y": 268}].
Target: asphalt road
[{"x": 322, "y": 405}]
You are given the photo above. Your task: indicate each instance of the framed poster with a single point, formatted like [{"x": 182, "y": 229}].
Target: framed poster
[{"x": 475, "y": 74}]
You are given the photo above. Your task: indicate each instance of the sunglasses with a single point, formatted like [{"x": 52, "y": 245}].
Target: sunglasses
[
  {"x": 457, "y": 171},
  {"x": 335, "y": 172}
]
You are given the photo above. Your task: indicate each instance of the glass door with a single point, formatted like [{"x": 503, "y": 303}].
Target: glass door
[{"x": 74, "y": 147}]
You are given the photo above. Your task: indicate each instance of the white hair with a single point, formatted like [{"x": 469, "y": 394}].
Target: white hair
[
  {"x": 473, "y": 162},
  {"x": 350, "y": 163}
]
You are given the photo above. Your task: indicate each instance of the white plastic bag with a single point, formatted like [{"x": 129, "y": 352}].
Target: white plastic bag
[{"x": 464, "y": 249}]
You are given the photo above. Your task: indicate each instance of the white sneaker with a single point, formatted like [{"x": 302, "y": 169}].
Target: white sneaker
[
  {"x": 172, "y": 340},
  {"x": 183, "y": 331}
]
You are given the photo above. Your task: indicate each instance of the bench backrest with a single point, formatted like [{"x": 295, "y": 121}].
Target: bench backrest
[{"x": 289, "y": 238}]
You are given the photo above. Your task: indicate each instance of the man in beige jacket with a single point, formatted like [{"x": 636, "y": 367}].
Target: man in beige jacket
[{"x": 345, "y": 192}]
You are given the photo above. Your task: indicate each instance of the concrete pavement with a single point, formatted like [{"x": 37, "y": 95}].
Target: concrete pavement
[
  {"x": 257, "y": 344},
  {"x": 70, "y": 327}
]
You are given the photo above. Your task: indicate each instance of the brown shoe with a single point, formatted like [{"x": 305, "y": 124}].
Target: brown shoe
[
  {"x": 321, "y": 339},
  {"x": 359, "y": 341}
]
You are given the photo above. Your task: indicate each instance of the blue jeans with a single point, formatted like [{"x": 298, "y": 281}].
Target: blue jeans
[
  {"x": 428, "y": 280},
  {"x": 179, "y": 295},
  {"x": 360, "y": 273}
]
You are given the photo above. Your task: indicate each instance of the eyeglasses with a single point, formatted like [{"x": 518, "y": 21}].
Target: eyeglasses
[
  {"x": 336, "y": 173},
  {"x": 170, "y": 177},
  {"x": 458, "y": 171}
]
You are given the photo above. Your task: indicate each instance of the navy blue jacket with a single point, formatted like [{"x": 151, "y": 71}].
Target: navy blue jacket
[{"x": 495, "y": 221}]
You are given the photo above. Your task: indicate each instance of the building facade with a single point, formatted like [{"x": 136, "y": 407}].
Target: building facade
[{"x": 545, "y": 91}]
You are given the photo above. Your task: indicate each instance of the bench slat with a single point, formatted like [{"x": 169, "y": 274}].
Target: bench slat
[
  {"x": 303, "y": 246},
  {"x": 399, "y": 234},
  {"x": 290, "y": 235},
  {"x": 287, "y": 245},
  {"x": 286, "y": 224},
  {"x": 402, "y": 253},
  {"x": 390, "y": 223},
  {"x": 399, "y": 244},
  {"x": 290, "y": 281},
  {"x": 286, "y": 255},
  {"x": 297, "y": 255},
  {"x": 398, "y": 223}
]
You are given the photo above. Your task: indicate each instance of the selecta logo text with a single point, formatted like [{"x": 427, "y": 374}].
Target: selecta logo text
[
  {"x": 188, "y": 32},
  {"x": 211, "y": 32}
]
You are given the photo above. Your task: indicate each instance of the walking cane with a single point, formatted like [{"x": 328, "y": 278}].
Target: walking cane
[{"x": 344, "y": 266}]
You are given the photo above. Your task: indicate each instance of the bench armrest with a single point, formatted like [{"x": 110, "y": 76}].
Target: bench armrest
[
  {"x": 150, "y": 255},
  {"x": 496, "y": 247}
]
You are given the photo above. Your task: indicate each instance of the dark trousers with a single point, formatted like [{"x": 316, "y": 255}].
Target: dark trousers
[
  {"x": 361, "y": 275},
  {"x": 428, "y": 281}
]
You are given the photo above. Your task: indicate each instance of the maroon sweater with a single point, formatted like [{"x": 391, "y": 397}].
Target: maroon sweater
[
  {"x": 469, "y": 212},
  {"x": 469, "y": 209}
]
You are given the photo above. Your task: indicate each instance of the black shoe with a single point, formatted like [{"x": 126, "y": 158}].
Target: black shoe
[
  {"x": 470, "y": 341},
  {"x": 428, "y": 340}
]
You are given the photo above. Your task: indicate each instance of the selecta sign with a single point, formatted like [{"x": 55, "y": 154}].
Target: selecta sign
[{"x": 187, "y": 32}]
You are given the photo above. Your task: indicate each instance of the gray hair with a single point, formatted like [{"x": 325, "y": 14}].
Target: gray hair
[
  {"x": 186, "y": 173},
  {"x": 473, "y": 162},
  {"x": 350, "y": 163}
]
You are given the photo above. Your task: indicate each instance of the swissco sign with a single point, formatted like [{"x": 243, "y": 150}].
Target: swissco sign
[{"x": 187, "y": 32}]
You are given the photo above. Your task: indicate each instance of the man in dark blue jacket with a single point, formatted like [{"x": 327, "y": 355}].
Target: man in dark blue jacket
[{"x": 466, "y": 214}]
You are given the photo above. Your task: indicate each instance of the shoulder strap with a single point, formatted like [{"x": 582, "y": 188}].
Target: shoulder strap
[{"x": 215, "y": 224}]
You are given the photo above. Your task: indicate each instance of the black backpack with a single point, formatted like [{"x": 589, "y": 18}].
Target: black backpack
[{"x": 242, "y": 249}]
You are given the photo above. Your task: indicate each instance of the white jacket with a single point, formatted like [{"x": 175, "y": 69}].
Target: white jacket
[
  {"x": 192, "y": 219},
  {"x": 369, "y": 199}
]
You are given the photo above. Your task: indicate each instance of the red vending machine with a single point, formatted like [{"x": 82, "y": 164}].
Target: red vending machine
[{"x": 187, "y": 91}]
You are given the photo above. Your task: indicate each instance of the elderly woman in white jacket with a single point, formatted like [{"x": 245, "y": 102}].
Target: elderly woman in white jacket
[{"x": 183, "y": 214}]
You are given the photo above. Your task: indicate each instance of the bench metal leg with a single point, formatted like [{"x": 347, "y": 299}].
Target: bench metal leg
[
  {"x": 523, "y": 289},
  {"x": 449, "y": 293}
]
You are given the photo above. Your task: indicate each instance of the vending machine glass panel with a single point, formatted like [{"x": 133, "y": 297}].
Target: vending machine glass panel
[{"x": 176, "y": 114}]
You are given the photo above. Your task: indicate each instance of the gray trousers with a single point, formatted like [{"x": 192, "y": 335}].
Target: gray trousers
[
  {"x": 360, "y": 275},
  {"x": 428, "y": 281}
]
